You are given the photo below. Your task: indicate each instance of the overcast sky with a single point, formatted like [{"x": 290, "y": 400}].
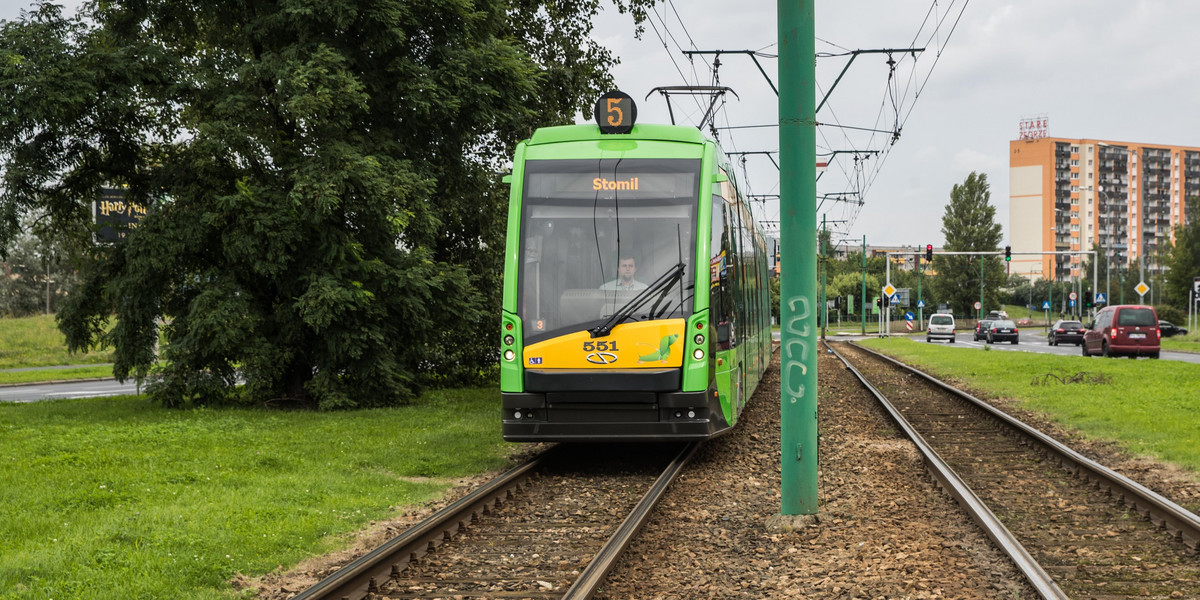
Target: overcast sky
[
  {"x": 1105, "y": 69},
  {"x": 1122, "y": 70}
]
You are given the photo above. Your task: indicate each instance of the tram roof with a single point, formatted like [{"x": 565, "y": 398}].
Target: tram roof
[{"x": 649, "y": 131}]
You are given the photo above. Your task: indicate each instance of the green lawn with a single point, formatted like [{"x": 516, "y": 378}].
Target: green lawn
[
  {"x": 1152, "y": 407},
  {"x": 37, "y": 342},
  {"x": 117, "y": 498}
]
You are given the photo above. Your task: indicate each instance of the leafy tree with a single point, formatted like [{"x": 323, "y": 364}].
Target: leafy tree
[
  {"x": 1183, "y": 258},
  {"x": 325, "y": 216},
  {"x": 969, "y": 225}
]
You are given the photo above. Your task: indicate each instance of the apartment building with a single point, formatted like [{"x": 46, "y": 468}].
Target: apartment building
[{"x": 1068, "y": 195}]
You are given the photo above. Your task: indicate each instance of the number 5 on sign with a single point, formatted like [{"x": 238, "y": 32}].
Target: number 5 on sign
[{"x": 615, "y": 112}]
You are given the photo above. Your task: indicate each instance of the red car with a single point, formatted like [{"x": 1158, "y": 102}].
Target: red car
[{"x": 1123, "y": 330}]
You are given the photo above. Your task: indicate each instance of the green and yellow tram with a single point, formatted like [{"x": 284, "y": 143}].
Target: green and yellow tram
[{"x": 603, "y": 334}]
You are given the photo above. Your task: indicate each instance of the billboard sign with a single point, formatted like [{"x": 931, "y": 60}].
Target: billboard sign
[{"x": 114, "y": 216}]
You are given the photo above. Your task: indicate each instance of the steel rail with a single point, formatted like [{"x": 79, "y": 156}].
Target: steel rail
[
  {"x": 956, "y": 487},
  {"x": 1179, "y": 521},
  {"x": 362, "y": 575},
  {"x": 590, "y": 580}
]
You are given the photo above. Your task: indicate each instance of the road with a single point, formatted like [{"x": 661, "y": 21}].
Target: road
[
  {"x": 80, "y": 389},
  {"x": 1035, "y": 341}
]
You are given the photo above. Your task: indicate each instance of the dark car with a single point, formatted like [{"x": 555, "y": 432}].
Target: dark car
[
  {"x": 981, "y": 329},
  {"x": 1003, "y": 331},
  {"x": 1123, "y": 330},
  {"x": 1070, "y": 332},
  {"x": 1169, "y": 329}
]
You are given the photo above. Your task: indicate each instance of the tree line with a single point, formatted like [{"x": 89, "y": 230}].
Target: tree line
[{"x": 325, "y": 215}]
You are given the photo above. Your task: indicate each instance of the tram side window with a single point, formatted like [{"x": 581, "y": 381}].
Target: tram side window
[
  {"x": 724, "y": 293},
  {"x": 749, "y": 273}
]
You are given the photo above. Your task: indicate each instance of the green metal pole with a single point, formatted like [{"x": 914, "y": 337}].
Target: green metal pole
[
  {"x": 798, "y": 228},
  {"x": 864, "y": 287}
]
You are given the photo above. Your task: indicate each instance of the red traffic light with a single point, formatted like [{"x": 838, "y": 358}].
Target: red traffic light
[{"x": 929, "y": 252}]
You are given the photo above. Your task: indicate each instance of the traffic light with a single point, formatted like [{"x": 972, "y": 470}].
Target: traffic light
[
  {"x": 1008, "y": 253},
  {"x": 929, "y": 252},
  {"x": 1088, "y": 297}
]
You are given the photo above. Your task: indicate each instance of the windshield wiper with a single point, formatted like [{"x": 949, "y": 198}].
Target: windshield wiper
[{"x": 662, "y": 284}]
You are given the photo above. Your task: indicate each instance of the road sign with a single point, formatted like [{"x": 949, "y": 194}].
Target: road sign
[
  {"x": 1046, "y": 305},
  {"x": 978, "y": 306},
  {"x": 894, "y": 299},
  {"x": 1101, "y": 298},
  {"x": 921, "y": 304},
  {"x": 1072, "y": 296},
  {"x": 908, "y": 324},
  {"x": 1072, "y": 304},
  {"x": 909, "y": 316},
  {"x": 1196, "y": 285},
  {"x": 1142, "y": 288},
  {"x": 889, "y": 289}
]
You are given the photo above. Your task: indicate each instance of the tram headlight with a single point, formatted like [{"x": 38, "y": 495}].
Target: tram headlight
[
  {"x": 509, "y": 355},
  {"x": 698, "y": 354},
  {"x": 508, "y": 340},
  {"x": 699, "y": 339}
]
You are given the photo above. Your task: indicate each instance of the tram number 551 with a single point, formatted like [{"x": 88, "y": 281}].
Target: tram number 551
[{"x": 615, "y": 112}]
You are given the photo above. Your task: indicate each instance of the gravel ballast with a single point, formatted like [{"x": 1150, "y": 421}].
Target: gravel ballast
[{"x": 883, "y": 530}]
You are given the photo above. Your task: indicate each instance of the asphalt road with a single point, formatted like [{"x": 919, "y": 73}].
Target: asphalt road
[
  {"x": 1035, "y": 341},
  {"x": 73, "y": 389}
]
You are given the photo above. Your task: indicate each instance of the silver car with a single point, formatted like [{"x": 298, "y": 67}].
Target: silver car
[{"x": 941, "y": 326}]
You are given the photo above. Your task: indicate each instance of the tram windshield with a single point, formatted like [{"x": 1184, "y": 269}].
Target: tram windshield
[{"x": 596, "y": 233}]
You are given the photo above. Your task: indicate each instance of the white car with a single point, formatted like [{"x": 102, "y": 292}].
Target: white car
[{"x": 941, "y": 326}]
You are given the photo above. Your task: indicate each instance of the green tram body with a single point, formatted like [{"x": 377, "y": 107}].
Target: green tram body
[{"x": 683, "y": 366}]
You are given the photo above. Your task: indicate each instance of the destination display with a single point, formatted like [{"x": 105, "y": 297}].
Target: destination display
[{"x": 633, "y": 179}]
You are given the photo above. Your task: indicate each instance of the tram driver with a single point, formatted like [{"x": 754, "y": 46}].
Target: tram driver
[{"x": 625, "y": 282}]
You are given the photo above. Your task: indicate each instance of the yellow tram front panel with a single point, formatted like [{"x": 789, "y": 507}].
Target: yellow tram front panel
[{"x": 649, "y": 344}]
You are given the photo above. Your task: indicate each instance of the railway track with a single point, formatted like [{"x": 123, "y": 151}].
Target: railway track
[
  {"x": 550, "y": 528},
  {"x": 1074, "y": 528}
]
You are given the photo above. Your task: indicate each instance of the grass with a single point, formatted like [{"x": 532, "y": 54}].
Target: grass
[
  {"x": 37, "y": 342},
  {"x": 1152, "y": 407},
  {"x": 44, "y": 375},
  {"x": 1182, "y": 343},
  {"x": 117, "y": 498}
]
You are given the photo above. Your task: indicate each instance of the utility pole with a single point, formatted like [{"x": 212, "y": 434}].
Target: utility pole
[
  {"x": 920, "y": 311},
  {"x": 797, "y": 228},
  {"x": 824, "y": 269},
  {"x": 864, "y": 287}
]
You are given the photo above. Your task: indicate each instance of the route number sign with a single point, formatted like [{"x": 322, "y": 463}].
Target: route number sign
[{"x": 615, "y": 112}]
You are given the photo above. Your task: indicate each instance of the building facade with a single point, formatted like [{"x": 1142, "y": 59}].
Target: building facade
[{"x": 1069, "y": 195}]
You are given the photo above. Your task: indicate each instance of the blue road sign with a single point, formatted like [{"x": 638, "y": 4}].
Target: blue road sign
[
  {"x": 895, "y": 298},
  {"x": 1072, "y": 304},
  {"x": 1101, "y": 298},
  {"x": 1046, "y": 305},
  {"x": 909, "y": 316},
  {"x": 921, "y": 304}
]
